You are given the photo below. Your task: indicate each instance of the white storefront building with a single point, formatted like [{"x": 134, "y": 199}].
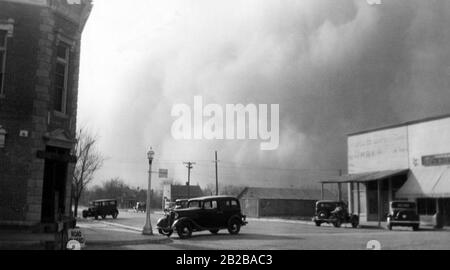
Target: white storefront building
[{"x": 409, "y": 161}]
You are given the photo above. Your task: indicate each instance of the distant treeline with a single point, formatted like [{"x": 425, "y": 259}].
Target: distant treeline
[{"x": 125, "y": 195}]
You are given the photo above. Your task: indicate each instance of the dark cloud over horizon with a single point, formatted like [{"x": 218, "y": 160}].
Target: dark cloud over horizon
[{"x": 333, "y": 66}]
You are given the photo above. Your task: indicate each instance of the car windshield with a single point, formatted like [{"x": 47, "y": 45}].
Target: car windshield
[
  {"x": 181, "y": 203},
  {"x": 403, "y": 205},
  {"x": 327, "y": 205},
  {"x": 193, "y": 204}
]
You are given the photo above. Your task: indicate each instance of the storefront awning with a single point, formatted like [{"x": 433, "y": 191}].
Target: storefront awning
[
  {"x": 365, "y": 177},
  {"x": 427, "y": 182}
]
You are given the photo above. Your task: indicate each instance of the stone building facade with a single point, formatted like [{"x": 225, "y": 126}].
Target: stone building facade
[{"x": 39, "y": 63}]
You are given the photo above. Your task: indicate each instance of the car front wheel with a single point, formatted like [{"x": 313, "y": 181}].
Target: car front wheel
[
  {"x": 167, "y": 233},
  {"x": 234, "y": 227},
  {"x": 115, "y": 214},
  {"x": 184, "y": 231}
]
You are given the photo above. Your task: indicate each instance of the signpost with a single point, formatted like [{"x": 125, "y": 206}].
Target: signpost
[
  {"x": 76, "y": 239},
  {"x": 163, "y": 173}
]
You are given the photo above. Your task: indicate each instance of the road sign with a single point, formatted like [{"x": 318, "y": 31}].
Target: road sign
[
  {"x": 163, "y": 173},
  {"x": 73, "y": 245},
  {"x": 77, "y": 235}
]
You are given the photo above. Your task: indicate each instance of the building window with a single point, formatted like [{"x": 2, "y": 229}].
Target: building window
[
  {"x": 61, "y": 77},
  {"x": 3, "y": 43}
]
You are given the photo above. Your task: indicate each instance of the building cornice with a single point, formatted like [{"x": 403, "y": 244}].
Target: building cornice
[{"x": 76, "y": 11}]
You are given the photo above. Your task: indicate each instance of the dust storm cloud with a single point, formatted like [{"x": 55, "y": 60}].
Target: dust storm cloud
[{"x": 334, "y": 67}]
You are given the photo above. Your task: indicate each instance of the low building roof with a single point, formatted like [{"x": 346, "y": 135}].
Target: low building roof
[
  {"x": 283, "y": 193},
  {"x": 408, "y": 123},
  {"x": 365, "y": 177},
  {"x": 213, "y": 197}
]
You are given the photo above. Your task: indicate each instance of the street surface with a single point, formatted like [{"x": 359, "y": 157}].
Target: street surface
[{"x": 278, "y": 234}]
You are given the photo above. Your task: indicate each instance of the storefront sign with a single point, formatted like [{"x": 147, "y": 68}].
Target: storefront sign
[
  {"x": 378, "y": 151},
  {"x": 436, "y": 160}
]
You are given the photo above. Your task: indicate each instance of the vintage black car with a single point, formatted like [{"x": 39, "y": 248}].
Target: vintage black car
[
  {"x": 101, "y": 208},
  {"x": 403, "y": 213},
  {"x": 334, "y": 212},
  {"x": 181, "y": 203},
  {"x": 212, "y": 213}
]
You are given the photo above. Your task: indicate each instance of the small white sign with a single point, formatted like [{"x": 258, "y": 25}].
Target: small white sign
[
  {"x": 76, "y": 235},
  {"x": 73, "y": 245},
  {"x": 373, "y": 245}
]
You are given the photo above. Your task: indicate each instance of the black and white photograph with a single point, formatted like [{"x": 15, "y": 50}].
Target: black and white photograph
[{"x": 224, "y": 125}]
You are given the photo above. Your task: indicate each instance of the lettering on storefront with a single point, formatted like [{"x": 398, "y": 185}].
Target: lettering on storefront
[{"x": 436, "y": 160}]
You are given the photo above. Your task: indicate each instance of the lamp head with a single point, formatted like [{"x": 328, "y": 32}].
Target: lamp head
[{"x": 150, "y": 154}]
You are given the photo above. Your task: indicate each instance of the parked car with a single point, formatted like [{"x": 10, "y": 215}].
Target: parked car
[
  {"x": 334, "y": 212},
  {"x": 101, "y": 208},
  {"x": 212, "y": 213},
  {"x": 403, "y": 213}
]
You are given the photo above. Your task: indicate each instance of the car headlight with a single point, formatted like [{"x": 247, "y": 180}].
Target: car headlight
[{"x": 175, "y": 216}]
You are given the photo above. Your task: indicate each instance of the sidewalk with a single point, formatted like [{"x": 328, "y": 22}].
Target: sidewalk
[
  {"x": 97, "y": 234},
  {"x": 110, "y": 234},
  {"x": 21, "y": 240}
]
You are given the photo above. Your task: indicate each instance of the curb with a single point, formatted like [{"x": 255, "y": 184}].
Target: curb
[
  {"x": 162, "y": 240},
  {"x": 281, "y": 220}
]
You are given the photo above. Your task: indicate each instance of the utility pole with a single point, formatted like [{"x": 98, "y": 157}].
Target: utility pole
[
  {"x": 190, "y": 167},
  {"x": 217, "y": 176}
]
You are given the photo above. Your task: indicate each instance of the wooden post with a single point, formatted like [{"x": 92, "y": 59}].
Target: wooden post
[
  {"x": 322, "y": 194},
  {"x": 339, "y": 192},
  {"x": 438, "y": 215},
  {"x": 379, "y": 202},
  {"x": 350, "y": 197},
  {"x": 390, "y": 191},
  {"x": 359, "y": 199},
  {"x": 217, "y": 177}
]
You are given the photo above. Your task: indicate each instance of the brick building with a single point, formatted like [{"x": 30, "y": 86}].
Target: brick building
[{"x": 39, "y": 62}]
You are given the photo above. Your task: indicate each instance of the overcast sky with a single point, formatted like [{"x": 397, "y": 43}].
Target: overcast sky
[{"x": 334, "y": 67}]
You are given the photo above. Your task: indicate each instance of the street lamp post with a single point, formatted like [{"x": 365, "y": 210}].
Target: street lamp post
[{"x": 148, "y": 225}]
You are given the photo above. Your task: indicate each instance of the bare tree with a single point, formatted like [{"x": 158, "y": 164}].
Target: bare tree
[{"x": 89, "y": 160}]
